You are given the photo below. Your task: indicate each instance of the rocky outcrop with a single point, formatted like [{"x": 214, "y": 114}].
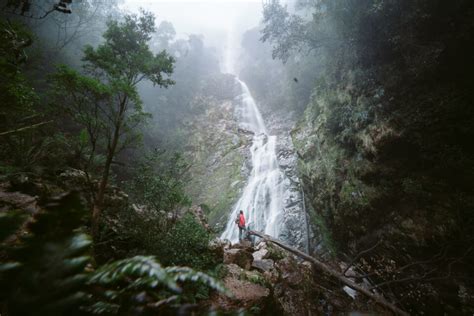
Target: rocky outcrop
[
  {"x": 247, "y": 293},
  {"x": 296, "y": 290},
  {"x": 241, "y": 257},
  {"x": 278, "y": 283},
  {"x": 218, "y": 151},
  {"x": 295, "y": 228},
  {"x": 263, "y": 265}
]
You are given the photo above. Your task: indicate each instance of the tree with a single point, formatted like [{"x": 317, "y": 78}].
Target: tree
[
  {"x": 165, "y": 33},
  {"x": 38, "y": 10},
  {"x": 113, "y": 70},
  {"x": 159, "y": 181},
  {"x": 288, "y": 32}
]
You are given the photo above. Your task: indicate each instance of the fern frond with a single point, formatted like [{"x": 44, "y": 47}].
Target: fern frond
[
  {"x": 185, "y": 274},
  {"x": 144, "y": 271}
]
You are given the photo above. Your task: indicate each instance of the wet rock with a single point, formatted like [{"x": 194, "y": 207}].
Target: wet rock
[
  {"x": 242, "y": 257},
  {"x": 17, "y": 200},
  {"x": 263, "y": 265},
  {"x": 260, "y": 254}
]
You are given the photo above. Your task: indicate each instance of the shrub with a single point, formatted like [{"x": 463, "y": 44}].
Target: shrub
[{"x": 186, "y": 244}]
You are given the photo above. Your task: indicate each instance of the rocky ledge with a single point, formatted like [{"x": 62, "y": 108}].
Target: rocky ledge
[{"x": 266, "y": 279}]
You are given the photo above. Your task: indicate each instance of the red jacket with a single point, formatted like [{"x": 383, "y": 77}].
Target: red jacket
[{"x": 241, "y": 220}]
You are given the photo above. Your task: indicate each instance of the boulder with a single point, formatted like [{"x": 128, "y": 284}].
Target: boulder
[
  {"x": 260, "y": 254},
  {"x": 244, "y": 244},
  {"x": 234, "y": 271},
  {"x": 73, "y": 178},
  {"x": 263, "y": 265},
  {"x": 245, "y": 295},
  {"x": 295, "y": 290},
  {"x": 17, "y": 200},
  {"x": 240, "y": 257},
  {"x": 217, "y": 246},
  {"x": 271, "y": 276}
]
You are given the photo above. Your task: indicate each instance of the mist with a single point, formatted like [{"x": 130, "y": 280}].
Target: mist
[
  {"x": 221, "y": 23},
  {"x": 264, "y": 157}
]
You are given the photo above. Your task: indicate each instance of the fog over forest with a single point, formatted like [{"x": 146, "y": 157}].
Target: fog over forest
[{"x": 236, "y": 157}]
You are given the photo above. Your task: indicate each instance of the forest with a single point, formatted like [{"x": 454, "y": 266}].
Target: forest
[{"x": 236, "y": 157}]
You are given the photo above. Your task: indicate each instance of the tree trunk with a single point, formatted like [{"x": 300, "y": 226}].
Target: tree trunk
[
  {"x": 98, "y": 203},
  {"x": 376, "y": 298},
  {"x": 111, "y": 151}
]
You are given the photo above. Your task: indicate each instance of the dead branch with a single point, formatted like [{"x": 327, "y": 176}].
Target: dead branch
[
  {"x": 407, "y": 279},
  {"x": 25, "y": 128},
  {"x": 336, "y": 274},
  {"x": 360, "y": 255}
]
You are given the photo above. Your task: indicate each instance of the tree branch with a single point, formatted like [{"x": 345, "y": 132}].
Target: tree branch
[{"x": 360, "y": 255}]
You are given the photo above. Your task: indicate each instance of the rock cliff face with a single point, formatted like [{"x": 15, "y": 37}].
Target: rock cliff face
[
  {"x": 296, "y": 229},
  {"x": 376, "y": 169},
  {"x": 220, "y": 155},
  {"x": 218, "y": 152}
]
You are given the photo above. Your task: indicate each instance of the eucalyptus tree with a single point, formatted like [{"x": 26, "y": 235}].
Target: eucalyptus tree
[{"x": 104, "y": 100}]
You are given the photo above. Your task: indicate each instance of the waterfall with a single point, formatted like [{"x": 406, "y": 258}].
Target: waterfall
[{"x": 262, "y": 197}]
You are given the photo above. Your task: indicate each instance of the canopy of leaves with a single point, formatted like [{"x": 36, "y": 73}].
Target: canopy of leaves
[
  {"x": 159, "y": 180},
  {"x": 125, "y": 55}
]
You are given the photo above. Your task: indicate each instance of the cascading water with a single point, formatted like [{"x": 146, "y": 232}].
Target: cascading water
[{"x": 262, "y": 198}]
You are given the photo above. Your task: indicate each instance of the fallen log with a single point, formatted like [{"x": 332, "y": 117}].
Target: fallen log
[{"x": 320, "y": 265}]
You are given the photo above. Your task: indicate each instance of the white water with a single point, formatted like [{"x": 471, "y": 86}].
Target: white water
[{"x": 261, "y": 200}]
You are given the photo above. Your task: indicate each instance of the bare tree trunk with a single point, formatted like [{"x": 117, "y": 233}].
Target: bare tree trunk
[
  {"x": 376, "y": 298},
  {"x": 111, "y": 151}
]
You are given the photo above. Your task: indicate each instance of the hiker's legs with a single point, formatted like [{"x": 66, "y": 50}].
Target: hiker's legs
[{"x": 241, "y": 230}]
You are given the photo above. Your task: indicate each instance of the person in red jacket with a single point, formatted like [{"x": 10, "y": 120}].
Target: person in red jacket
[{"x": 240, "y": 221}]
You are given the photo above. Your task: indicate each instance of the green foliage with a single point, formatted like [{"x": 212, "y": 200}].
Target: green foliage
[
  {"x": 255, "y": 277},
  {"x": 186, "y": 244},
  {"x": 105, "y": 102},
  {"x": 17, "y": 95},
  {"x": 390, "y": 114},
  {"x": 275, "y": 253},
  {"x": 158, "y": 181},
  {"x": 289, "y": 31},
  {"x": 44, "y": 274},
  {"x": 141, "y": 285},
  {"x": 18, "y": 99},
  {"x": 194, "y": 67},
  {"x": 125, "y": 57},
  {"x": 165, "y": 33}
]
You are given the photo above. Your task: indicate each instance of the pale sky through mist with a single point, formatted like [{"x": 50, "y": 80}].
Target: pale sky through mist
[
  {"x": 198, "y": 16},
  {"x": 221, "y": 22}
]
